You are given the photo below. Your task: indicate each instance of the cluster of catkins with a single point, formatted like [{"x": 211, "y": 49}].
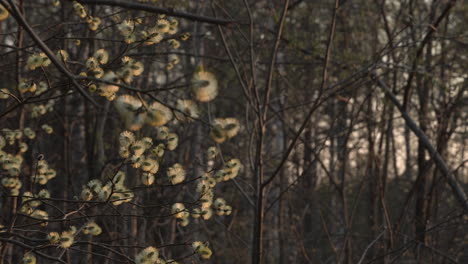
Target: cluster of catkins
[
  {"x": 205, "y": 188},
  {"x": 11, "y": 163},
  {"x": 93, "y": 22},
  {"x": 150, "y": 255},
  {"x": 112, "y": 190},
  {"x": 146, "y": 156}
]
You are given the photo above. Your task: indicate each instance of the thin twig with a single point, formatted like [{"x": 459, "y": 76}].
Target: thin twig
[{"x": 369, "y": 246}]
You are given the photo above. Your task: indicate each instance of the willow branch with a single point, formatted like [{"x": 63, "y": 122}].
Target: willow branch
[
  {"x": 24, "y": 24},
  {"x": 159, "y": 10},
  {"x": 25, "y": 246}
]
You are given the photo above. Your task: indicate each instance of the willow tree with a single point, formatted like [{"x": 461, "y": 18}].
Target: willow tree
[{"x": 95, "y": 141}]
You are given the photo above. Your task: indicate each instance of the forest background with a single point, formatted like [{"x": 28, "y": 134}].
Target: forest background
[{"x": 281, "y": 131}]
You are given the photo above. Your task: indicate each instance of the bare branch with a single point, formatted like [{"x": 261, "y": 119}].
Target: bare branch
[
  {"x": 369, "y": 246},
  {"x": 25, "y": 246},
  {"x": 159, "y": 10},
  {"x": 427, "y": 37},
  {"x": 439, "y": 162}
]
